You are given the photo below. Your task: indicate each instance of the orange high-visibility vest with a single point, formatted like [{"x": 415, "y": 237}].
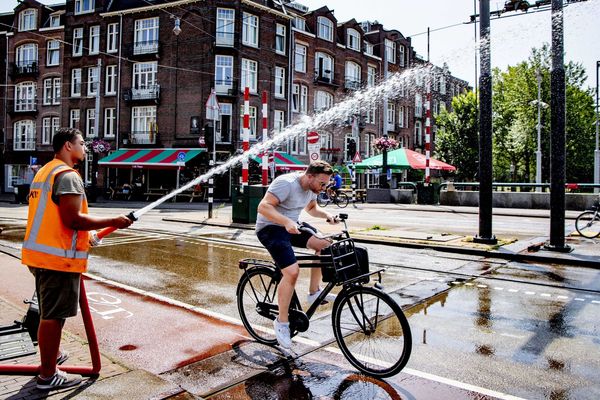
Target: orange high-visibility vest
[{"x": 48, "y": 242}]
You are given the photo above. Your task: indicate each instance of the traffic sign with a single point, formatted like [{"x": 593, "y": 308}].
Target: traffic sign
[
  {"x": 314, "y": 156},
  {"x": 181, "y": 156},
  {"x": 312, "y": 137},
  {"x": 356, "y": 158}
]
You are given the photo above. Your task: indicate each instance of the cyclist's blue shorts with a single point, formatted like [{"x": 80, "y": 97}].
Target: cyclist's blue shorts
[{"x": 279, "y": 242}]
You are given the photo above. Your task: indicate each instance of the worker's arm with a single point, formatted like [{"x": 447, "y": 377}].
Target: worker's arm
[{"x": 69, "y": 207}]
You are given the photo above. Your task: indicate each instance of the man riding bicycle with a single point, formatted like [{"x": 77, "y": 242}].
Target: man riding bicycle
[
  {"x": 277, "y": 230},
  {"x": 336, "y": 184}
]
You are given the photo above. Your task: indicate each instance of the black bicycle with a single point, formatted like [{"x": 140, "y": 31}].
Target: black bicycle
[
  {"x": 338, "y": 198},
  {"x": 588, "y": 222},
  {"x": 369, "y": 326}
]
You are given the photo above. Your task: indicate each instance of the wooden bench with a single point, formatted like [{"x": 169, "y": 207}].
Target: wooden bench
[
  {"x": 361, "y": 194},
  {"x": 193, "y": 194},
  {"x": 155, "y": 193}
]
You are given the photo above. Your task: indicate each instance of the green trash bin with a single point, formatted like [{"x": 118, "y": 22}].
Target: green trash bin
[
  {"x": 239, "y": 205},
  {"x": 429, "y": 194},
  {"x": 255, "y": 195}
]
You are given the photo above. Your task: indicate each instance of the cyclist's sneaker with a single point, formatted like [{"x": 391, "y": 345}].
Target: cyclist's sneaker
[
  {"x": 62, "y": 357},
  {"x": 59, "y": 380},
  {"x": 282, "y": 332},
  {"x": 312, "y": 297}
]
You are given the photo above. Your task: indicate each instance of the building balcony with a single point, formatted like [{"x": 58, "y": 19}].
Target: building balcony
[
  {"x": 226, "y": 87},
  {"x": 145, "y": 47},
  {"x": 150, "y": 92},
  {"x": 352, "y": 84},
  {"x": 136, "y": 138},
  {"x": 325, "y": 79},
  {"x": 225, "y": 39},
  {"x": 23, "y": 69},
  {"x": 24, "y": 106}
]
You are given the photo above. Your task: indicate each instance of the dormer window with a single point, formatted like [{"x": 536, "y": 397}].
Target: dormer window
[
  {"x": 353, "y": 39},
  {"x": 299, "y": 23},
  {"x": 28, "y": 20},
  {"x": 54, "y": 21},
  {"x": 84, "y": 6},
  {"x": 325, "y": 28},
  {"x": 368, "y": 48}
]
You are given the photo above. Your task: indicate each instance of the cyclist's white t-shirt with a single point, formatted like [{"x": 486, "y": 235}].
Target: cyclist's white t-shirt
[{"x": 292, "y": 198}]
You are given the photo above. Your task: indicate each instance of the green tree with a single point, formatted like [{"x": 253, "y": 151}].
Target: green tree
[{"x": 457, "y": 139}]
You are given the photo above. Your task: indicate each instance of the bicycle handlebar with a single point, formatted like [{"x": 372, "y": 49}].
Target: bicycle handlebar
[{"x": 304, "y": 227}]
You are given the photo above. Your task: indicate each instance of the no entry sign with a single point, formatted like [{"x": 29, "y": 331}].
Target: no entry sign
[
  {"x": 312, "y": 137},
  {"x": 314, "y": 147}
]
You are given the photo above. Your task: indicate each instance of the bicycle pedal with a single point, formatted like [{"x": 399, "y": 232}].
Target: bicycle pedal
[{"x": 378, "y": 286}]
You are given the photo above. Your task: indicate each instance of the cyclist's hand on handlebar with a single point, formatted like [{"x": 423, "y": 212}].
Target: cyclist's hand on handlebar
[
  {"x": 332, "y": 219},
  {"x": 292, "y": 228}
]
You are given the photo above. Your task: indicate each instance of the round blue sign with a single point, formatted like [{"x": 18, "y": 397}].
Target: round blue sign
[{"x": 181, "y": 156}]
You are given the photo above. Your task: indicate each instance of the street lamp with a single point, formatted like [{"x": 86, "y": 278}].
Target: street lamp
[{"x": 538, "y": 153}]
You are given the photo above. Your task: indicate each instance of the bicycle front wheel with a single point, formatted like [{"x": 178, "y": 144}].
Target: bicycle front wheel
[
  {"x": 322, "y": 199},
  {"x": 588, "y": 224},
  {"x": 257, "y": 303},
  {"x": 341, "y": 200},
  {"x": 372, "y": 331}
]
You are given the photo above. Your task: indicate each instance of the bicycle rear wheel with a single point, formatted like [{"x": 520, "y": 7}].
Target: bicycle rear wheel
[
  {"x": 341, "y": 200},
  {"x": 588, "y": 225},
  {"x": 322, "y": 199},
  {"x": 257, "y": 303},
  {"x": 372, "y": 331}
]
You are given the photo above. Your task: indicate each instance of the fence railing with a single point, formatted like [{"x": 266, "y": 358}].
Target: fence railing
[{"x": 530, "y": 187}]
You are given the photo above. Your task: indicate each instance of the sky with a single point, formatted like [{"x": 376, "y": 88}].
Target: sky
[{"x": 512, "y": 37}]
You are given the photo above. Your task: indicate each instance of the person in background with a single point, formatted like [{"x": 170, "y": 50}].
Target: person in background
[
  {"x": 56, "y": 248},
  {"x": 277, "y": 230}
]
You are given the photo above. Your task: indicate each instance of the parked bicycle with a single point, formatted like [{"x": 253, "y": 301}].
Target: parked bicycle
[
  {"x": 588, "y": 222},
  {"x": 369, "y": 326},
  {"x": 338, "y": 198}
]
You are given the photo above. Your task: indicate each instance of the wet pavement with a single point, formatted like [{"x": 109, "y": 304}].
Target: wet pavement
[{"x": 163, "y": 303}]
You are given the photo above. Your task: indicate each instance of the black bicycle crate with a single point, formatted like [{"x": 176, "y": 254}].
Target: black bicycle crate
[{"x": 347, "y": 262}]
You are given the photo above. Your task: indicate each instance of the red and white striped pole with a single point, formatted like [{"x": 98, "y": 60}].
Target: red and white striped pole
[
  {"x": 246, "y": 136},
  {"x": 265, "y": 156},
  {"x": 427, "y": 134}
]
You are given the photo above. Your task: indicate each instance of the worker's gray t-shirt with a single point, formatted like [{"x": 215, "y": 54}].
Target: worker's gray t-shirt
[
  {"x": 69, "y": 182},
  {"x": 292, "y": 198}
]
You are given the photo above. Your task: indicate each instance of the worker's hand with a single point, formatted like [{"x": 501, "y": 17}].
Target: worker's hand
[
  {"x": 332, "y": 219},
  {"x": 292, "y": 227},
  {"x": 121, "y": 222}
]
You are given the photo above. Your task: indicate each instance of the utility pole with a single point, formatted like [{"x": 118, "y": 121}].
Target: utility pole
[
  {"x": 557, "y": 124},
  {"x": 538, "y": 153},
  {"x": 383, "y": 182},
  {"x": 485, "y": 128}
]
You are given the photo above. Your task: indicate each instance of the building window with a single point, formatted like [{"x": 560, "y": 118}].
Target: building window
[
  {"x": 49, "y": 127},
  {"x": 146, "y": 36},
  {"x": 28, "y": 20},
  {"x": 224, "y": 124},
  {"x": 300, "y": 98},
  {"x": 401, "y": 116},
  {"x": 353, "y": 39},
  {"x": 77, "y": 41},
  {"x": 353, "y": 72},
  {"x": 368, "y": 48},
  {"x": 54, "y": 21},
  {"x": 300, "y": 58},
  {"x": 110, "y": 84},
  {"x": 442, "y": 83},
  {"x": 250, "y": 30},
  {"x": 112, "y": 38},
  {"x": 278, "y": 120},
  {"x": 371, "y": 115},
  {"x": 418, "y": 133},
  {"x": 225, "y": 26},
  {"x": 25, "y": 96},
  {"x": 436, "y": 108},
  {"x": 280, "y": 38},
  {"x": 252, "y": 113},
  {"x": 402, "y": 89},
  {"x": 27, "y": 55},
  {"x": 74, "y": 116},
  {"x": 391, "y": 116},
  {"x": 24, "y": 135},
  {"x": 325, "y": 28},
  {"x": 299, "y": 23},
  {"x": 223, "y": 74},
  {"x": 51, "y": 91},
  {"x": 324, "y": 66},
  {"x": 323, "y": 100},
  {"x": 401, "y": 55},
  {"x": 90, "y": 122},
  {"x": 94, "y": 39},
  {"x": 418, "y": 105},
  {"x": 53, "y": 53},
  {"x": 280, "y": 82},
  {"x": 297, "y": 145},
  {"x": 143, "y": 125},
  {"x": 144, "y": 75},
  {"x": 109, "y": 122},
  {"x": 93, "y": 81},
  {"x": 76, "y": 82},
  {"x": 84, "y": 6},
  {"x": 371, "y": 76},
  {"x": 249, "y": 75},
  {"x": 390, "y": 51}
]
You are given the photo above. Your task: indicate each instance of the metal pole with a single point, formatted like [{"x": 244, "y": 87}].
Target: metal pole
[
  {"x": 265, "y": 156},
  {"x": 485, "y": 128},
  {"x": 597, "y": 151},
  {"x": 246, "y": 136},
  {"x": 557, "y": 124},
  {"x": 428, "y": 129},
  {"x": 538, "y": 153},
  {"x": 383, "y": 183}
]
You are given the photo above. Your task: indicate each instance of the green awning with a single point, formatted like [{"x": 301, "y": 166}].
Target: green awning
[{"x": 149, "y": 158}]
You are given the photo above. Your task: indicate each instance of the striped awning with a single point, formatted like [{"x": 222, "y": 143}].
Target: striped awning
[
  {"x": 283, "y": 161},
  {"x": 149, "y": 158}
]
